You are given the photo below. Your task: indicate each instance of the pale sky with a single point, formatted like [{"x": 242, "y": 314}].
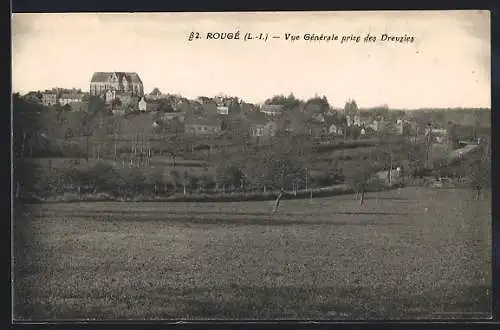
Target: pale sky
[{"x": 448, "y": 64}]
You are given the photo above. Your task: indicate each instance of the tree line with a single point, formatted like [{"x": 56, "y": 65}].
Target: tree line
[{"x": 283, "y": 165}]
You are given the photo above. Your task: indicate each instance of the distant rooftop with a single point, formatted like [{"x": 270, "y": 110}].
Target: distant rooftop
[{"x": 131, "y": 77}]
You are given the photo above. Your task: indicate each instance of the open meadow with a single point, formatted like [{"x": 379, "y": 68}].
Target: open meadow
[{"x": 405, "y": 254}]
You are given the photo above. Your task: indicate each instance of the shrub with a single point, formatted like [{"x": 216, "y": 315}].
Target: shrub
[
  {"x": 228, "y": 174},
  {"x": 135, "y": 182},
  {"x": 156, "y": 182},
  {"x": 192, "y": 182},
  {"x": 105, "y": 179}
]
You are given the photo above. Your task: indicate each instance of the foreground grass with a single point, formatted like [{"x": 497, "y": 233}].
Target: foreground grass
[{"x": 320, "y": 259}]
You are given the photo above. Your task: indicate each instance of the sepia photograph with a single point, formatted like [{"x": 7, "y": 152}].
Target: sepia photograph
[{"x": 251, "y": 166}]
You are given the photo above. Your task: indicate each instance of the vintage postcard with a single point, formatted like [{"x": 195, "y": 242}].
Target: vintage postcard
[{"x": 252, "y": 166}]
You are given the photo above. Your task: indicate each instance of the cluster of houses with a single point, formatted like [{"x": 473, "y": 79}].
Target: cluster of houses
[
  {"x": 268, "y": 119},
  {"x": 124, "y": 92},
  {"x": 59, "y": 96}
]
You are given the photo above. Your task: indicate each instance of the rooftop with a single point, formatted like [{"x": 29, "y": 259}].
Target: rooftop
[
  {"x": 272, "y": 107},
  {"x": 72, "y": 96},
  {"x": 131, "y": 77}
]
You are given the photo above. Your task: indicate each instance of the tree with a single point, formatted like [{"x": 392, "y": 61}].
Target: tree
[
  {"x": 157, "y": 181},
  {"x": 155, "y": 92},
  {"x": 135, "y": 182},
  {"x": 320, "y": 105},
  {"x": 281, "y": 166},
  {"x": 97, "y": 105},
  {"x": 416, "y": 155},
  {"x": 228, "y": 174},
  {"x": 351, "y": 107},
  {"x": 130, "y": 108},
  {"x": 165, "y": 105},
  {"x": 353, "y": 132},
  {"x": 358, "y": 176},
  {"x": 174, "y": 147},
  {"x": 480, "y": 174},
  {"x": 193, "y": 182},
  {"x": 58, "y": 107},
  {"x": 334, "y": 172},
  {"x": 116, "y": 103},
  {"x": 407, "y": 130},
  {"x": 46, "y": 181},
  {"x": 176, "y": 178},
  {"x": 453, "y": 134},
  {"x": 380, "y": 111},
  {"x": 87, "y": 129},
  {"x": 223, "y": 125},
  {"x": 25, "y": 176},
  {"x": 438, "y": 116},
  {"x": 26, "y": 123},
  {"x": 277, "y": 99},
  {"x": 292, "y": 102},
  {"x": 285, "y": 173},
  {"x": 104, "y": 178},
  {"x": 289, "y": 103},
  {"x": 334, "y": 117},
  {"x": 206, "y": 182}
]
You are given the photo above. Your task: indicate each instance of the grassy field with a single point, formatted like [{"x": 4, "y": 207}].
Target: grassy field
[{"x": 405, "y": 254}]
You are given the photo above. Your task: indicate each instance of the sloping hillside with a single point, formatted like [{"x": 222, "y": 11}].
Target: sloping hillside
[{"x": 133, "y": 125}]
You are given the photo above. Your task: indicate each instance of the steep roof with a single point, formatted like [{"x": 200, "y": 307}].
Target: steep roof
[
  {"x": 134, "y": 77},
  {"x": 72, "y": 96},
  {"x": 131, "y": 77},
  {"x": 100, "y": 77}
]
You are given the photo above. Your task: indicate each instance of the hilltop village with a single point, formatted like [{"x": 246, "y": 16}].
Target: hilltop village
[{"x": 213, "y": 143}]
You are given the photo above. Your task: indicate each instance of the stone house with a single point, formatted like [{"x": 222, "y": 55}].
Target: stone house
[
  {"x": 377, "y": 124},
  {"x": 335, "y": 129},
  {"x": 353, "y": 120},
  {"x": 272, "y": 109},
  {"x": 222, "y": 110},
  {"x": 438, "y": 135},
  {"x": 148, "y": 105},
  {"x": 49, "y": 99},
  {"x": 67, "y": 98},
  {"x": 143, "y": 105},
  {"x": 202, "y": 126},
  {"x": 260, "y": 128}
]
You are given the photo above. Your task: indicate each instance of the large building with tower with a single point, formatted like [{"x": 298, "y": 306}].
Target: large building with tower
[{"x": 111, "y": 84}]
